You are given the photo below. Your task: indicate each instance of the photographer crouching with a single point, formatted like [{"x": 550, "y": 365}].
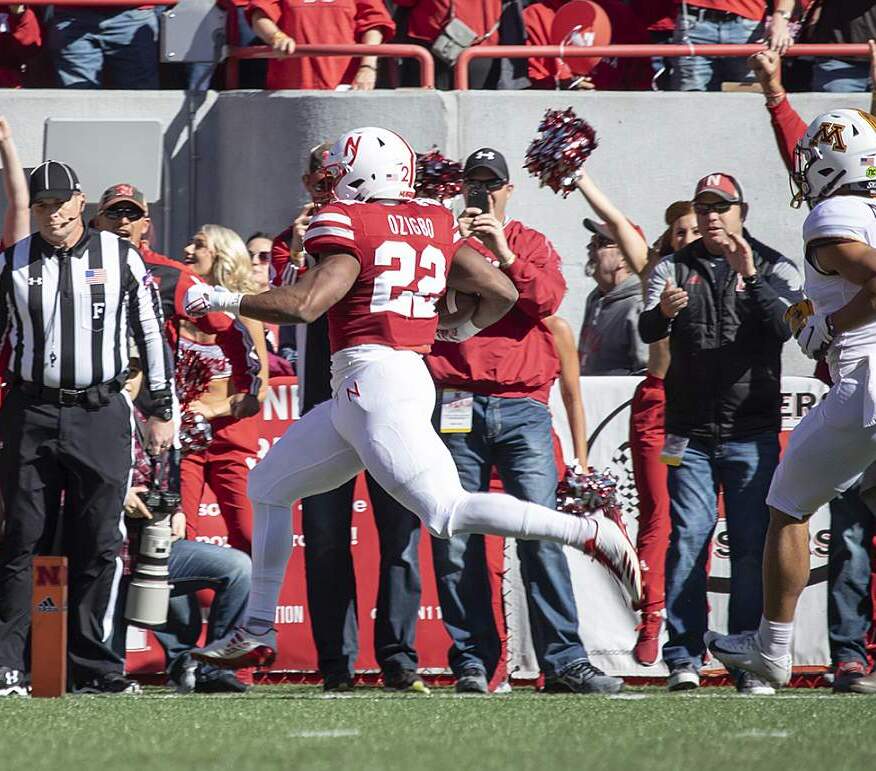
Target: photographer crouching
[{"x": 167, "y": 570}]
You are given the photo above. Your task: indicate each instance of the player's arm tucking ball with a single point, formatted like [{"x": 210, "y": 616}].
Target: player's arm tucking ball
[
  {"x": 309, "y": 298},
  {"x": 855, "y": 261},
  {"x": 471, "y": 274}
]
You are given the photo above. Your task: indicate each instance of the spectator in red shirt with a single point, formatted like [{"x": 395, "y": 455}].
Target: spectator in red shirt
[
  {"x": 425, "y": 20},
  {"x": 496, "y": 385},
  {"x": 610, "y": 74},
  {"x": 283, "y": 24},
  {"x": 20, "y": 41}
]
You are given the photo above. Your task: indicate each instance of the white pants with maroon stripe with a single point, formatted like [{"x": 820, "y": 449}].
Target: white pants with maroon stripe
[{"x": 380, "y": 419}]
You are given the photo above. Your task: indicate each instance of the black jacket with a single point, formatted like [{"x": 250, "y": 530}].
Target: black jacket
[{"x": 724, "y": 381}]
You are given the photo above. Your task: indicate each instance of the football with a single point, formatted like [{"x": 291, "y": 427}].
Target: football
[{"x": 455, "y": 308}]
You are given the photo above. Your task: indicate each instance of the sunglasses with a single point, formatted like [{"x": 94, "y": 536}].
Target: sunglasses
[
  {"x": 719, "y": 207},
  {"x": 491, "y": 185},
  {"x": 131, "y": 213},
  {"x": 263, "y": 257}
]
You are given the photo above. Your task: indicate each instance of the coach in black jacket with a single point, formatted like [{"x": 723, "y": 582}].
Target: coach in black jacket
[{"x": 721, "y": 301}]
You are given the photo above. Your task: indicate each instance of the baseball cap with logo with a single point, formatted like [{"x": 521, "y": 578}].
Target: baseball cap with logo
[
  {"x": 722, "y": 185},
  {"x": 600, "y": 228},
  {"x": 487, "y": 158},
  {"x": 122, "y": 192},
  {"x": 53, "y": 179}
]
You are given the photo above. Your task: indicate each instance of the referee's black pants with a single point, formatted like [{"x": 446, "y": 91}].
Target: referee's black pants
[{"x": 78, "y": 460}]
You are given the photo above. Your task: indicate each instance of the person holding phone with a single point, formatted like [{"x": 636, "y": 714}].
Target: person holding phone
[{"x": 492, "y": 412}]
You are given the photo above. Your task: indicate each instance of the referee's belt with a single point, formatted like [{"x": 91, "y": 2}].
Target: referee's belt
[{"x": 93, "y": 397}]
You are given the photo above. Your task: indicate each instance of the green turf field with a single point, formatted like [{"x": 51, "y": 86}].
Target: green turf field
[{"x": 297, "y": 727}]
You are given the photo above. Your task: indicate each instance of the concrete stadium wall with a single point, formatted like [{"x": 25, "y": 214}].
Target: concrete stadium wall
[{"x": 235, "y": 158}]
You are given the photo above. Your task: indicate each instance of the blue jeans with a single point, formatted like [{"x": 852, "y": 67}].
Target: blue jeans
[
  {"x": 331, "y": 582},
  {"x": 699, "y": 73},
  {"x": 839, "y": 76},
  {"x": 744, "y": 470},
  {"x": 514, "y": 435},
  {"x": 849, "y": 606},
  {"x": 90, "y": 46},
  {"x": 194, "y": 566}
]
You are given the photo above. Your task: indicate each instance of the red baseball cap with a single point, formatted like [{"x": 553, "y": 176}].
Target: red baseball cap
[{"x": 722, "y": 185}]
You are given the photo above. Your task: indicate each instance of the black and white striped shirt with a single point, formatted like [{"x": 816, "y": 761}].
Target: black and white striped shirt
[{"x": 68, "y": 313}]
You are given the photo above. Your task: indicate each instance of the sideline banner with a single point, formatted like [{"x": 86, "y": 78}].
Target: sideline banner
[{"x": 607, "y": 624}]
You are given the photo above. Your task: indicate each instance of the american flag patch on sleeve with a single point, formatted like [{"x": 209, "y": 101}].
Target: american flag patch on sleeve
[{"x": 95, "y": 276}]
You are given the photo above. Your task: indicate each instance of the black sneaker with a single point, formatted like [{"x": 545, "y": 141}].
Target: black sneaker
[
  {"x": 338, "y": 683},
  {"x": 404, "y": 681},
  {"x": 472, "y": 680},
  {"x": 13, "y": 682},
  {"x": 219, "y": 681},
  {"x": 848, "y": 674},
  {"x": 110, "y": 683},
  {"x": 182, "y": 674},
  {"x": 582, "y": 677}
]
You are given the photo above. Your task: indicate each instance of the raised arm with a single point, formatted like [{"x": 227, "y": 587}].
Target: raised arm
[
  {"x": 16, "y": 223},
  {"x": 570, "y": 384},
  {"x": 628, "y": 239}
]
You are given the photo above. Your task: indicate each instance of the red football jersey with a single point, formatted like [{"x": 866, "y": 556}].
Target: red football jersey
[{"x": 405, "y": 250}]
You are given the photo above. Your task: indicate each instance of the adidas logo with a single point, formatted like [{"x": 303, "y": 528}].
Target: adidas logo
[{"x": 47, "y": 605}]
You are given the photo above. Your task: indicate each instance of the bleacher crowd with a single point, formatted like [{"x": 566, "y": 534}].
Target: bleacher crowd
[{"x": 71, "y": 46}]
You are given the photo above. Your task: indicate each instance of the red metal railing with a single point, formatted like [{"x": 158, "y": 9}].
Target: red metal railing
[
  {"x": 384, "y": 50},
  {"x": 639, "y": 51}
]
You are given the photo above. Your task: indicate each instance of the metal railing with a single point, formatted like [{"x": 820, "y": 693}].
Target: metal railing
[
  {"x": 640, "y": 51},
  {"x": 384, "y": 50}
]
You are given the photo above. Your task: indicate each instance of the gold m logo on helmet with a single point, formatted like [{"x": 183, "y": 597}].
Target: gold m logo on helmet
[{"x": 830, "y": 134}]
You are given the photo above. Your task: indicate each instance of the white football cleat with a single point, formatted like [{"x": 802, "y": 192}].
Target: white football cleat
[
  {"x": 240, "y": 649},
  {"x": 742, "y": 651},
  {"x": 613, "y": 548}
]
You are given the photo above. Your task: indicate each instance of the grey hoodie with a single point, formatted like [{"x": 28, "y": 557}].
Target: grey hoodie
[{"x": 610, "y": 342}]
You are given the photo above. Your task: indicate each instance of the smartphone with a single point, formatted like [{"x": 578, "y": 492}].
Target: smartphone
[{"x": 479, "y": 198}]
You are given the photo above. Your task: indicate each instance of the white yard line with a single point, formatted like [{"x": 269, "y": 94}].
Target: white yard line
[{"x": 332, "y": 733}]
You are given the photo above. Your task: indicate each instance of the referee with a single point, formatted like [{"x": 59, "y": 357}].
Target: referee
[{"x": 69, "y": 296}]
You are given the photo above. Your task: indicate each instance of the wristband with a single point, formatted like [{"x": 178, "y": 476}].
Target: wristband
[
  {"x": 458, "y": 334},
  {"x": 225, "y": 301},
  {"x": 450, "y": 301}
]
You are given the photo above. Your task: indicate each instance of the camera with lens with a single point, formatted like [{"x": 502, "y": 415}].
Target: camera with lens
[{"x": 149, "y": 590}]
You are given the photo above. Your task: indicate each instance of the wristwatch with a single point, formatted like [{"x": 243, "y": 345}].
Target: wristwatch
[
  {"x": 786, "y": 15},
  {"x": 750, "y": 280},
  {"x": 162, "y": 406}
]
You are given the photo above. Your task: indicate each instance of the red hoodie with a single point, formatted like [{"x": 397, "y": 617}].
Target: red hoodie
[
  {"x": 20, "y": 40},
  {"x": 515, "y": 357}
]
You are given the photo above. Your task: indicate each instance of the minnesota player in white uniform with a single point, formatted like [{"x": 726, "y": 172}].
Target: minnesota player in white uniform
[
  {"x": 835, "y": 171},
  {"x": 383, "y": 259}
]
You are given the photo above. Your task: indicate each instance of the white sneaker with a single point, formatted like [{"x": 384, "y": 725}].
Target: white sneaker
[
  {"x": 683, "y": 679},
  {"x": 240, "y": 649},
  {"x": 749, "y": 684},
  {"x": 613, "y": 548},
  {"x": 743, "y": 652}
]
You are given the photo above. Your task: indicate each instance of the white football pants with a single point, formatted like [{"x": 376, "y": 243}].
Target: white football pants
[
  {"x": 380, "y": 419},
  {"x": 828, "y": 450}
]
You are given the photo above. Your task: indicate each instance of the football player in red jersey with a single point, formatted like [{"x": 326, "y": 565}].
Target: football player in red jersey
[{"x": 383, "y": 259}]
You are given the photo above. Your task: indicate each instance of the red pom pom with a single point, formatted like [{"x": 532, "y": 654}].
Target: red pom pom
[
  {"x": 557, "y": 154},
  {"x": 437, "y": 176},
  {"x": 591, "y": 492},
  {"x": 193, "y": 375}
]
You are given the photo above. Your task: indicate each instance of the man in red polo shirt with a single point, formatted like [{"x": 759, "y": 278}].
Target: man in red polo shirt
[
  {"x": 20, "y": 41},
  {"x": 492, "y": 412}
]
